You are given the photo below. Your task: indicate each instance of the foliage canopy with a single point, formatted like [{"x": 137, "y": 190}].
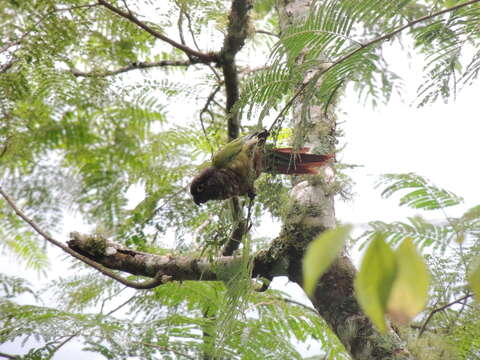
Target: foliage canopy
[{"x": 94, "y": 106}]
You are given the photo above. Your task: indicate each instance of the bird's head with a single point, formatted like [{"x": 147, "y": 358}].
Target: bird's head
[{"x": 206, "y": 186}]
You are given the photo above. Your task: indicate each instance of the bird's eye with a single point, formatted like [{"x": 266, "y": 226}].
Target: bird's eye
[{"x": 200, "y": 188}]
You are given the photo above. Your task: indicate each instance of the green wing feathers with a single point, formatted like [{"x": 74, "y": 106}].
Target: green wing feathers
[
  {"x": 227, "y": 153},
  {"x": 223, "y": 157}
]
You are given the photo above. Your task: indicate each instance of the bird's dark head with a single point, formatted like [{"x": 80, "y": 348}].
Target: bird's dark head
[{"x": 207, "y": 185}]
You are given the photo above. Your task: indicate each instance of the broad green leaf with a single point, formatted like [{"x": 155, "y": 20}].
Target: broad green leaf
[
  {"x": 410, "y": 289},
  {"x": 321, "y": 253},
  {"x": 375, "y": 279},
  {"x": 474, "y": 279}
]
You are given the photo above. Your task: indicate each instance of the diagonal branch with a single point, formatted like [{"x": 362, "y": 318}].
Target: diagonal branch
[
  {"x": 158, "y": 280},
  {"x": 183, "y": 12},
  {"x": 133, "y": 66},
  {"x": 8, "y": 65},
  {"x": 202, "y": 57},
  {"x": 361, "y": 47},
  {"x": 9, "y": 356},
  {"x": 441, "y": 308}
]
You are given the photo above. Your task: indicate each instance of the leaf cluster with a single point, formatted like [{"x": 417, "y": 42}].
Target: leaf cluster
[{"x": 340, "y": 43}]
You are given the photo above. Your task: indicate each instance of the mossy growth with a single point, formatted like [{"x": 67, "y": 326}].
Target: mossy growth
[{"x": 95, "y": 245}]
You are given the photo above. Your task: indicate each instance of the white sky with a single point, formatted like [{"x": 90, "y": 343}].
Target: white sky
[{"x": 439, "y": 142}]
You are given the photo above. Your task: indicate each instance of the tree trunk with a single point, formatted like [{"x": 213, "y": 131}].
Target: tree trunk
[{"x": 312, "y": 211}]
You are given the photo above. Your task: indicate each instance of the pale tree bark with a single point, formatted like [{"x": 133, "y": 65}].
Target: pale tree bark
[{"x": 313, "y": 211}]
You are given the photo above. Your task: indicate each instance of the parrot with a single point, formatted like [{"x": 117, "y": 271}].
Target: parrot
[{"x": 235, "y": 167}]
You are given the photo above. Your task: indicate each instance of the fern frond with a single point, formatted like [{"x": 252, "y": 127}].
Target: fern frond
[
  {"x": 12, "y": 286},
  {"x": 445, "y": 41},
  {"x": 265, "y": 89},
  {"x": 422, "y": 232},
  {"x": 79, "y": 292},
  {"x": 423, "y": 194},
  {"x": 25, "y": 247},
  {"x": 324, "y": 32},
  {"x": 472, "y": 70}
]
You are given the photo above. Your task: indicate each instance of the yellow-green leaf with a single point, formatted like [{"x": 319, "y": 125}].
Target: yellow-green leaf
[
  {"x": 409, "y": 293},
  {"x": 375, "y": 279},
  {"x": 474, "y": 279},
  {"x": 320, "y": 254}
]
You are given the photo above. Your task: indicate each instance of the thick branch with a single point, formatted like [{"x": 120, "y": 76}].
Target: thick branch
[
  {"x": 117, "y": 257},
  {"x": 234, "y": 41},
  {"x": 230, "y": 75},
  {"x": 104, "y": 255},
  {"x": 132, "y": 66},
  {"x": 237, "y": 29},
  {"x": 202, "y": 57}
]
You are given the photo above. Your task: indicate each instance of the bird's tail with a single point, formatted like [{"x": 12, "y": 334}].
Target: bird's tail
[{"x": 290, "y": 161}]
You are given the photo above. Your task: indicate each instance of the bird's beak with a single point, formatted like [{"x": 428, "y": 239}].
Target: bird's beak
[{"x": 198, "y": 202}]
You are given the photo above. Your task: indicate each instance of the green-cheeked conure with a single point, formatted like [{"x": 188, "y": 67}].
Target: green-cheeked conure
[{"x": 237, "y": 165}]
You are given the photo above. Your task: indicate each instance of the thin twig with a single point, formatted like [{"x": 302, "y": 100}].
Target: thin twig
[
  {"x": 126, "y": 7},
  {"x": 64, "y": 342},
  {"x": 249, "y": 215},
  {"x": 156, "y": 281},
  {"x": 132, "y": 66},
  {"x": 180, "y": 28},
  {"x": 121, "y": 305},
  {"x": 282, "y": 299},
  {"x": 206, "y": 58},
  {"x": 8, "y": 356},
  {"x": 441, "y": 308},
  {"x": 210, "y": 98},
  {"x": 166, "y": 200},
  {"x": 164, "y": 348},
  {"x": 347, "y": 56},
  {"x": 5, "y": 146},
  {"x": 7, "y": 65},
  {"x": 267, "y": 33},
  {"x": 330, "y": 98},
  {"x": 192, "y": 34},
  {"x": 108, "y": 298},
  {"x": 301, "y": 305}
]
